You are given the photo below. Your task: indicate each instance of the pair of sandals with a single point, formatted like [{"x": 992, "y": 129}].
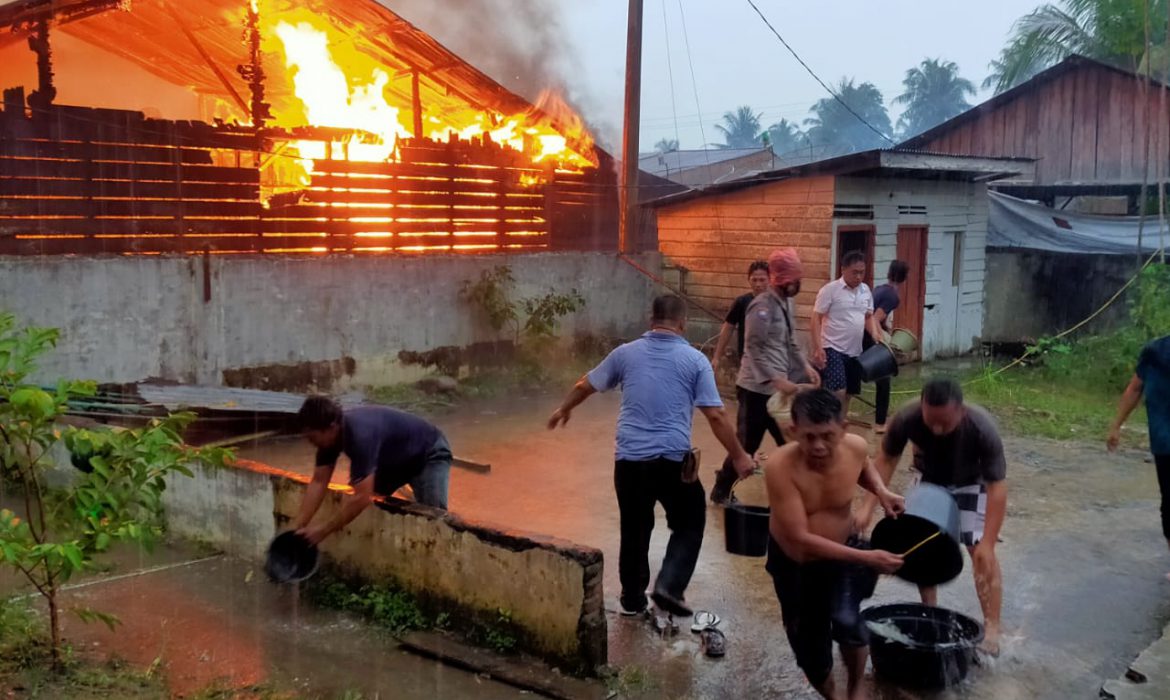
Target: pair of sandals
[{"x": 712, "y": 641}]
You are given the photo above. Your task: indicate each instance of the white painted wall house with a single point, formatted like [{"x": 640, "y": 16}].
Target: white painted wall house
[{"x": 927, "y": 209}]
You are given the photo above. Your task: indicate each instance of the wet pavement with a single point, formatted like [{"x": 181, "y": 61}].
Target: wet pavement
[{"x": 1082, "y": 557}]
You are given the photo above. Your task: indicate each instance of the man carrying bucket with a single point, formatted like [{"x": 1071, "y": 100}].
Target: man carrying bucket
[
  {"x": 663, "y": 380},
  {"x": 772, "y": 363},
  {"x": 956, "y": 446},
  {"x": 821, "y": 573},
  {"x": 842, "y": 314}
]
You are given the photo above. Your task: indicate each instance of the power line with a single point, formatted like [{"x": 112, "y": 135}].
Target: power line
[
  {"x": 670, "y": 75},
  {"x": 817, "y": 78}
]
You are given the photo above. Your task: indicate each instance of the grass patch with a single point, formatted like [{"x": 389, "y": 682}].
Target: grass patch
[
  {"x": 628, "y": 681},
  {"x": 1039, "y": 400}
]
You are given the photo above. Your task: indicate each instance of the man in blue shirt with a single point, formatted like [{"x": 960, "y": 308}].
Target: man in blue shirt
[
  {"x": 1152, "y": 378},
  {"x": 387, "y": 448},
  {"x": 663, "y": 379}
]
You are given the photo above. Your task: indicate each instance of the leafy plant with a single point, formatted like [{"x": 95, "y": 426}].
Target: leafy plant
[
  {"x": 386, "y": 606},
  {"x": 118, "y": 497},
  {"x": 498, "y": 636},
  {"x": 493, "y": 294}
]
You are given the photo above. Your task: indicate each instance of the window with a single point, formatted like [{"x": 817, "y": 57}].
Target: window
[{"x": 957, "y": 259}]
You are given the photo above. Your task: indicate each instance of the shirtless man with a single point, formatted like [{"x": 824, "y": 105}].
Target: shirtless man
[{"x": 820, "y": 571}]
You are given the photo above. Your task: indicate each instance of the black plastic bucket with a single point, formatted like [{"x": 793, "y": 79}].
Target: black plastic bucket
[
  {"x": 918, "y": 646},
  {"x": 290, "y": 558},
  {"x": 878, "y": 362},
  {"x": 745, "y": 528},
  {"x": 929, "y": 510}
]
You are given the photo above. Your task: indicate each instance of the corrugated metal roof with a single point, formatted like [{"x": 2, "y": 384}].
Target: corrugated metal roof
[{"x": 663, "y": 164}]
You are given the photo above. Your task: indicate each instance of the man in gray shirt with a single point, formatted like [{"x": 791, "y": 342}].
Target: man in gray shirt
[
  {"x": 772, "y": 361},
  {"x": 956, "y": 446}
]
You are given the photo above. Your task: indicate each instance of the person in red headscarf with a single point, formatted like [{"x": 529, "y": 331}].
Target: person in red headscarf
[{"x": 772, "y": 362}]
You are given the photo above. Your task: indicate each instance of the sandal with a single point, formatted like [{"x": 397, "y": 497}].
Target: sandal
[
  {"x": 704, "y": 620},
  {"x": 714, "y": 642}
]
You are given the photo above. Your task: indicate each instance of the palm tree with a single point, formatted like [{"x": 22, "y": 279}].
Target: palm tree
[
  {"x": 834, "y": 126},
  {"x": 934, "y": 94},
  {"x": 666, "y": 145},
  {"x": 785, "y": 137},
  {"x": 1113, "y": 31},
  {"x": 741, "y": 128}
]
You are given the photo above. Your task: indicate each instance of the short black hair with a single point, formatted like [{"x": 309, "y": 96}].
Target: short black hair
[
  {"x": 758, "y": 265},
  {"x": 816, "y": 406},
  {"x": 942, "y": 391},
  {"x": 668, "y": 307},
  {"x": 899, "y": 270},
  {"x": 852, "y": 258},
  {"x": 318, "y": 413}
]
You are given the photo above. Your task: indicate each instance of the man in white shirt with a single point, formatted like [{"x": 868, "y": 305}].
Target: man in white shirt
[{"x": 842, "y": 314}]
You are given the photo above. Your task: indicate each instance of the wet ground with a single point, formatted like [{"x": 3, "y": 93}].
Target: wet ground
[{"x": 1082, "y": 556}]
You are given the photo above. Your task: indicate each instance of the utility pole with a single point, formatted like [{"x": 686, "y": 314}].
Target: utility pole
[{"x": 628, "y": 189}]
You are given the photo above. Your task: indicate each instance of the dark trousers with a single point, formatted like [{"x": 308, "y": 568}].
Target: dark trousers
[
  {"x": 639, "y": 486},
  {"x": 752, "y": 421},
  {"x": 1162, "y": 464},
  {"x": 882, "y": 400}
]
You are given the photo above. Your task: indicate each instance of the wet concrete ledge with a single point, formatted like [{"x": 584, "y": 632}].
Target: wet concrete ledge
[
  {"x": 1148, "y": 678},
  {"x": 551, "y": 588}
]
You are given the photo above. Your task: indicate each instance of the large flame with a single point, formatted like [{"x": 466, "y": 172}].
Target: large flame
[{"x": 339, "y": 86}]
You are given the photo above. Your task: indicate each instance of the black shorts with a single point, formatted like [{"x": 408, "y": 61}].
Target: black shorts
[
  {"x": 841, "y": 372},
  {"x": 820, "y": 601}
]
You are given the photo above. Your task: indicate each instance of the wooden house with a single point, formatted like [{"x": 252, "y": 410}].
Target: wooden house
[
  {"x": 927, "y": 209},
  {"x": 1083, "y": 121}
]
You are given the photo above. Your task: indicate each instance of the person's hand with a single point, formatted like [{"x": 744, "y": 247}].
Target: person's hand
[
  {"x": 313, "y": 534},
  {"x": 559, "y": 417},
  {"x": 1114, "y": 439},
  {"x": 983, "y": 554},
  {"x": 884, "y": 562},
  {"x": 715, "y": 365},
  {"x": 819, "y": 358},
  {"x": 814, "y": 377},
  {"x": 892, "y": 503},
  {"x": 744, "y": 465}
]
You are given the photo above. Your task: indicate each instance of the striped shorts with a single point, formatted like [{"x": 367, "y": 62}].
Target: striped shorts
[{"x": 972, "y": 502}]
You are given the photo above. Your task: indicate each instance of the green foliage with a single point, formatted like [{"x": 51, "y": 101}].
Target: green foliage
[
  {"x": 499, "y": 636},
  {"x": 59, "y": 534},
  {"x": 386, "y": 606},
  {"x": 628, "y": 681},
  {"x": 493, "y": 294},
  {"x": 935, "y": 92},
  {"x": 740, "y": 129},
  {"x": 834, "y": 127}
]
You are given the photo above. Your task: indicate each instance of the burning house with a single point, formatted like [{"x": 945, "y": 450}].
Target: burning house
[{"x": 277, "y": 126}]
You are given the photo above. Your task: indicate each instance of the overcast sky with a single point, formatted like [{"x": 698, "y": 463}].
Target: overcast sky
[{"x": 738, "y": 61}]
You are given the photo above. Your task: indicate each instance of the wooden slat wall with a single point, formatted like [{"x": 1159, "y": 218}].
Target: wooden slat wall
[
  {"x": 108, "y": 181},
  {"x": 1084, "y": 126},
  {"x": 717, "y": 237}
]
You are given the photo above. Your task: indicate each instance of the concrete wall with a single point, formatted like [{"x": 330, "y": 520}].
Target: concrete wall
[
  {"x": 125, "y": 319},
  {"x": 1035, "y": 293},
  {"x": 551, "y": 588},
  {"x": 953, "y": 318}
]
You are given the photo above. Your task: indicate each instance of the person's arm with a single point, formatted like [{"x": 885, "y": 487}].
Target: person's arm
[
  {"x": 798, "y": 542},
  {"x": 581, "y": 391},
  {"x": 874, "y": 327},
  {"x": 725, "y": 334},
  {"x": 314, "y": 494},
  {"x": 818, "y": 358},
  {"x": 889, "y": 454},
  {"x": 755, "y": 338},
  {"x": 351, "y": 507},
  {"x": 1130, "y": 398},
  {"x": 725, "y": 434},
  {"x": 871, "y": 480}
]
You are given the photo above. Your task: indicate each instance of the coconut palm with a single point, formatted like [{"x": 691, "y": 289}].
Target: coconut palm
[
  {"x": 785, "y": 137},
  {"x": 741, "y": 128},
  {"x": 1113, "y": 31},
  {"x": 934, "y": 94},
  {"x": 666, "y": 146},
  {"x": 841, "y": 131}
]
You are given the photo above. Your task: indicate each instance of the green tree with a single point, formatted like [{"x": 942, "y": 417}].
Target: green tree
[
  {"x": 1113, "y": 31},
  {"x": 834, "y": 126},
  {"x": 58, "y": 534},
  {"x": 666, "y": 146},
  {"x": 740, "y": 129},
  {"x": 934, "y": 93},
  {"x": 786, "y": 137}
]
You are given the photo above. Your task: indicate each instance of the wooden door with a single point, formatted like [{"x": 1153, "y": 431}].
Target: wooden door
[
  {"x": 851, "y": 238},
  {"x": 912, "y": 249}
]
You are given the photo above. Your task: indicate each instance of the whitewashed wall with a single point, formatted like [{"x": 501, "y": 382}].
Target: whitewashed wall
[{"x": 953, "y": 320}]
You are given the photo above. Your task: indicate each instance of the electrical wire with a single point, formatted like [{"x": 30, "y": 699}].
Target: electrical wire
[
  {"x": 817, "y": 78},
  {"x": 670, "y": 75}
]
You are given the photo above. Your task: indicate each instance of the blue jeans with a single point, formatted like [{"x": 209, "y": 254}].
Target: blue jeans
[{"x": 430, "y": 484}]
